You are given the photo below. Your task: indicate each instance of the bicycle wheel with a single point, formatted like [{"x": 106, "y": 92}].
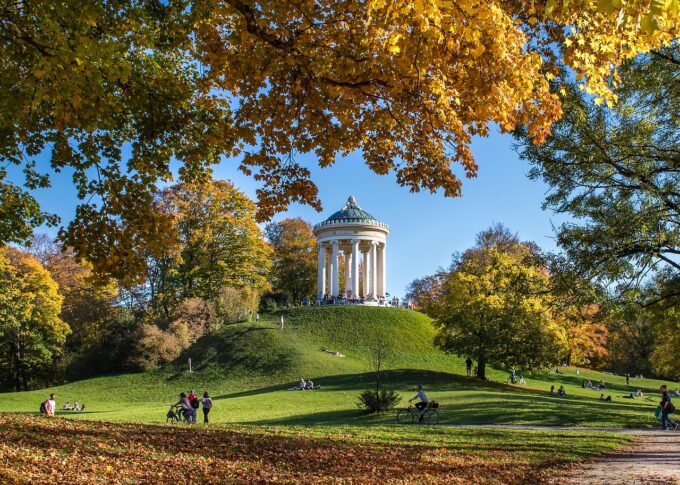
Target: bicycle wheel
[
  {"x": 431, "y": 417},
  {"x": 405, "y": 416}
]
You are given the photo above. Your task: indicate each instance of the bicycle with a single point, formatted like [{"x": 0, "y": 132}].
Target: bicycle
[
  {"x": 175, "y": 415},
  {"x": 411, "y": 415},
  {"x": 516, "y": 380}
]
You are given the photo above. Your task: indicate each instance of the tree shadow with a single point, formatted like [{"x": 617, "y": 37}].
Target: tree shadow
[
  {"x": 252, "y": 349},
  {"x": 497, "y": 403}
]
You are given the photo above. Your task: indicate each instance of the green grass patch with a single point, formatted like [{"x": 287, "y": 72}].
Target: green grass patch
[{"x": 248, "y": 369}]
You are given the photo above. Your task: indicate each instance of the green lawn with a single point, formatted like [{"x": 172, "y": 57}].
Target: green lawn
[{"x": 248, "y": 368}]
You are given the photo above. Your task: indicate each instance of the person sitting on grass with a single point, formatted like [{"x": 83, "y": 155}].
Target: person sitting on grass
[
  {"x": 75, "y": 407},
  {"x": 66, "y": 406},
  {"x": 303, "y": 384},
  {"x": 49, "y": 406},
  {"x": 561, "y": 392},
  {"x": 552, "y": 390},
  {"x": 424, "y": 402},
  {"x": 310, "y": 385},
  {"x": 602, "y": 398},
  {"x": 82, "y": 408}
]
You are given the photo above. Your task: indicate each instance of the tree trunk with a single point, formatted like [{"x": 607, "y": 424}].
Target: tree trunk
[
  {"x": 481, "y": 368},
  {"x": 16, "y": 359}
]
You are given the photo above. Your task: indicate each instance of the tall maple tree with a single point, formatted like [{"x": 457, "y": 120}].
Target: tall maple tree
[
  {"x": 217, "y": 244},
  {"x": 495, "y": 306},
  {"x": 113, "y": 92},
  {"x": 294, "y": 258},
  {"x": 31, "y": 332}
]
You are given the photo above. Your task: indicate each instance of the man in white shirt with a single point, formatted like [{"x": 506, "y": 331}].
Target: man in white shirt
[
  {"x": 51, "y": 405},
  {"x": 424, "y": 401}
]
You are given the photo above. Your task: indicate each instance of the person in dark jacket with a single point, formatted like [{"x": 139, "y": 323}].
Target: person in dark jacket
[{"x": 666, "y": 409}]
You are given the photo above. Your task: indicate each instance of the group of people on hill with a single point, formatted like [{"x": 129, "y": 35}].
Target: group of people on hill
[
  {"x": 561, "y": 392},
  {"x": 73, "y": 407},
  {"x": 589, "y": 385},
  {"x": 189, "y": 406},
  {"x": 306, "y": 385}
]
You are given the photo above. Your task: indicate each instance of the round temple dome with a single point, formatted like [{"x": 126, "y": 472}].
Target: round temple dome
[{"x": 351, "y": 213}]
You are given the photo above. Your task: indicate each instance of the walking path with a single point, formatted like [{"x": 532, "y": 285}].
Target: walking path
[{"x": 652, "y": 458}]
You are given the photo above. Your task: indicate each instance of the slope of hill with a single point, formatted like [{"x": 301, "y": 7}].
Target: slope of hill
[{"x": 248, "y": 369}]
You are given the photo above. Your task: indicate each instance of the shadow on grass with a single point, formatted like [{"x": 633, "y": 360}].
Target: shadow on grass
[
  {"x": 255, "y": 349},
  {"x": 496, "y": 404}
]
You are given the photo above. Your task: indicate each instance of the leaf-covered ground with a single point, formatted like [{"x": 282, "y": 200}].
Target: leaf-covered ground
[{"x": 38, "y": 450}]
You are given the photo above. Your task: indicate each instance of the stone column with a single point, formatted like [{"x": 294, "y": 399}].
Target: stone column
[
  {"x": 355, "y": 268},
  {"x": 373, "y": 289},
  {"x": 379, "y": 273},
  {"x": 348, "y": 273},
  {"x": 335, "y": 273},
  {"x": 321, "y": 279},
  {"x": 383, "y": 269},
  {"x": 365, "y": 275}
]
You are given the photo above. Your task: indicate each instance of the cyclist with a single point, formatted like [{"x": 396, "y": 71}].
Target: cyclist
[{"x": 424, "y": 401}]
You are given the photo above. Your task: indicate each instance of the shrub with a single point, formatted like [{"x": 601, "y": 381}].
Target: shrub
[
  {"x": 197, "y": 314},
  {"x": 378, "y": 401},
  {"x": 236, "y": 304},
  {"x": 155, "y": 346}
]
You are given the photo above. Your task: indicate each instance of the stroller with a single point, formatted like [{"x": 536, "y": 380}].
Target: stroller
[{"x": 174, "y": 415}]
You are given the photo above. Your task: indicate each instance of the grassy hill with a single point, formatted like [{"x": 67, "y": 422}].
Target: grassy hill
[{"x": 248, "y": 369}]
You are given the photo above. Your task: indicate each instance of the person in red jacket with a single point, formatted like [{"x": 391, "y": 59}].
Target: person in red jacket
[{"x": 193, "y": 400}]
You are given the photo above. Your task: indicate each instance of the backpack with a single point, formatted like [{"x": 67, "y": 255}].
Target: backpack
[
  {"x": 670, "y": 407},
  {"x": 43, "y": 407}
]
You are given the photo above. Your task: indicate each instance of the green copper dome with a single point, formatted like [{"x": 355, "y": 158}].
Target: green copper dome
[{"x": 351, "y": 213}]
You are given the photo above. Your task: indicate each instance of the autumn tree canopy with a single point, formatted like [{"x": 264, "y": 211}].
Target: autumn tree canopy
[
  {"x": 294, "y": 258},
  {"x": 495, "y": 306},
  {"x": 614, "y": 170},
  {"x": 31, "y": 332},
  {"x": 217, "y": 244},
  {"x": 114, "y": 92}
]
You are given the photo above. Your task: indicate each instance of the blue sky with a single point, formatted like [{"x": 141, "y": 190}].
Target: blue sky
[{"x": 426, "y": 229}]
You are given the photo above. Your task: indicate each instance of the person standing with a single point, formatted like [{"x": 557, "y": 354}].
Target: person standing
[
  {"x": 194, "y": 403},
  {"x": 186, "y": 407},
  {"x": 468, "y": 366},
  {"x": 667, "y": 408},
  {"x": 281, "y": 322},
  {"x": 627, "y": 379},
  {"x": 207, "y": 406}
]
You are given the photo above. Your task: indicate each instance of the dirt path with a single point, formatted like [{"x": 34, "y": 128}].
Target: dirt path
[{"x": 653, "y": 458}]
